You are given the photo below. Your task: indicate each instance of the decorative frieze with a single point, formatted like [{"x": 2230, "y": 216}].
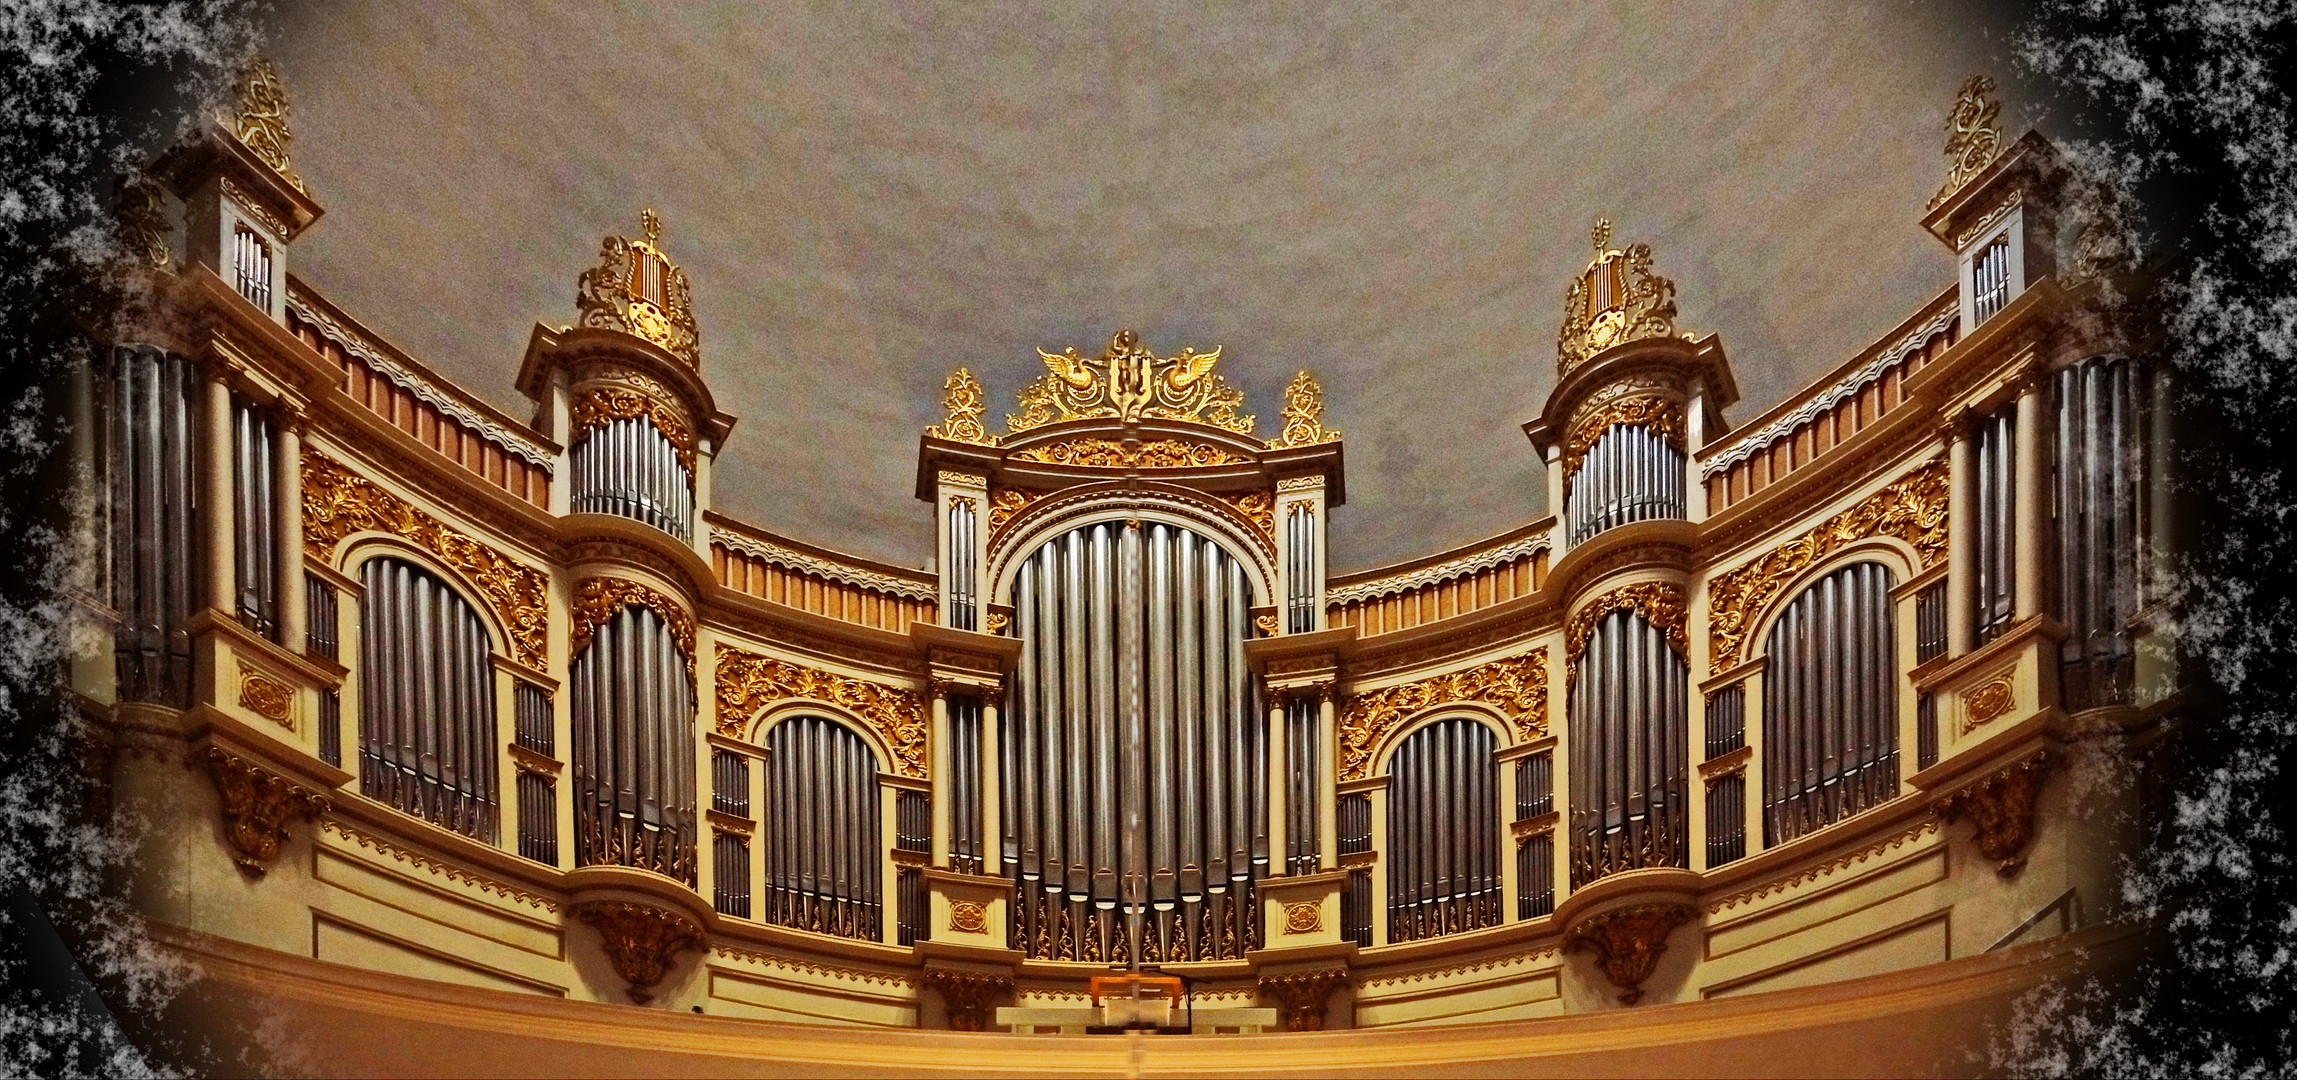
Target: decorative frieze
[
  {"x": 803, "y": 563},
  {"x": 748, "y": 682},
  {"x": 399, "y": 375},
  {"x": 1471, "y": 563},
  {"x": 435, "y": 867},
  {"x": 1516, "y": 684},
  {"x": 1109, "y": 453},
  {"x": 1849, "y": 385}
]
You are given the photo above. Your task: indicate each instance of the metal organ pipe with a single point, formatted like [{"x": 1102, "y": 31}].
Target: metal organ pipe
[
  {"x": 2099, "y": 466},
  {"x": 154, "y": 547},
  {"x": 633, "y": 706},
  {"x": 1630, "y": 474},
  {"x": 427, "y": 731},
  {"x": 630, "y": 469},
  {"x": 1629, "y": 754},
  {"x": 1830, "y": 715},
  {"x": 1443, "y": 820}
]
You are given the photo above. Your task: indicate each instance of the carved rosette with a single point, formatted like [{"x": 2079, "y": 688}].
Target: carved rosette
[
  {"x": 748, "y": 682},
  {"x": 2001, "y": 810},
  {"x": 1987, "y": 701},
  {"x": 597, "y": 599},
  {"x": 968, "y": 916},
  {"x": 963, "y": 402},
  {"x": 969, "y": 995},
  {"x": 1128, "y": 382},
  {"x": 1517, "y": 684},
  {"x": 1913, "y": 510},
  {"x": 337, "y": 504},
  {"x": 1303, "y": 415},
  {"x": 1615, "y": 299},
  {"x": 640, "y": 941},
  {"x": 267, "y": 697},
  {"x": 604, "y": 405},
  {"x": 1659, "y": 603},
  {"x": 1973, "y": 140},
  {"x": 257, "y": 805},
  {"x": 636, "y": 289},
  {"x": 1627, "y": 942},
  {"x": 1109, "y": 453},
  {"x": 1304, "y": 917},
  {"x": 1300, "y": 996}
]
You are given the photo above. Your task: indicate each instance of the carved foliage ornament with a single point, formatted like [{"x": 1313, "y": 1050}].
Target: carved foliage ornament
[
  {"x": 1616, "y": 299},
  {"x": 1517, "y": 684},
  {"x": 1300, "y": 996},
  {"x": 606, "y": 404},
  {"x": 1007, "y": 503},
  {"x": 256, "y": 807},
  {"x": 1973, "y": 140},
  {"x": 1304, "y": 917},
  {"x": 259, "y": 119},
  {"x": 1988, "y": 700},
  {"x": 1657, "y": 414},
  {"x": 1303, "y": 415},
  {"x": 2001, "y": 807},
  {"x": 640, "y": 941},
  {"x": 1258, "y": 507},
  {"x": 1659, "y": 603},
  {"x": 267, "y": 697},
  {"x": 337, "y": 504},
  {"x": 1913, "y": 509},
  {"x": 968, "y": 916},
  {"x": 143, "y": 223},
  {"x": 963, "y": 402},
  {"x": 748, "y": 682},
  {"x": 636, "y": 289},
  {"x": 968, "y": 995},
  {"x": 1628, "y": 942},
  {"x": 1128, "y": 382},
  {"x": 1109, "y": 453},
  {"x": 600, "y": 598}
]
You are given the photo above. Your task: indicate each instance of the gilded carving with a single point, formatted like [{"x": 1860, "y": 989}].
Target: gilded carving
[
  {"x": 969, "y": 916},
  {"x": 1305, "y": 917},
  {"x": 615, "y": 294},
  {"x": 1987, "y": 701},
  {"x": 143, "y": 223},
  {"x": 1258, "y": 507},
  {"x": 968, "y": 995},
  {"x": 1615, "y": 299},
  {"x": 1128, "y": 382},
  {"x": 640, "y": 941},
  {"x": 597, "y": 599},
  {"x": 1972, "y": 139},
  {"x": 1517, "y": 684},
  {"x": 337, "y": 504},
  {"x": 1300, "y": 996},
  {"x": 604, "y": 405},
  {"x": 267, "y": 697},
  {"x": 1627, "y": 942},
  {"x": 259, "y": 209},
  {"x": 1300, "y": 483},
  {"x": 1266, "y": 624},
  {"x": 259, "y": 121},
  {"x": 257, "y": 805},
  {"x": 1992, "y": 218},
  {"x": 1913, "y": 509},
  {"x": 1657, "y": 414},
  {"x": 1007, "y": 503},
  {"x": 1109, "y": 453},
  {"x": 1303, "y": 415},
  {"x": 1659, "y": 603},
  {"x": 748, "y": 682},
  {"x": 962, "y": 403},
  {"x": 998, "y": 621},
  {"x": 2001, "y": 809}
]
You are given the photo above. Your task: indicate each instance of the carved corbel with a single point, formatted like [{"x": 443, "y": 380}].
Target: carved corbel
[
  {"x": 1300, "y": 996},
  {"x": 968, "y": 995},
  {"x": 1627, "y": 942},
  {"x": 640, "y": 941},
  {"x": 2001, "y": 809},
  {"x": 256, "y": 807}
]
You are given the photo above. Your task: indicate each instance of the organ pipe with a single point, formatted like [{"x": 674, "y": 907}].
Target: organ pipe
[
  {"x": 1630, "y": 474},
  {"x": 1830, "y": 704},
  {"x": 633, "y": 708},
  {"x": 152, "y": 502},
  {"x": 629, "y": 468},
  {"x": 1443, "y": 832},
  {"x": 253, "y": 518},
  {"x": 822, "y": 844},
  {"x": 1629, "y": 767},
  {"x": 427, "y": 715},
  {"x": 2099, "y": 464},
  {"x": 1994, "y": 454}
]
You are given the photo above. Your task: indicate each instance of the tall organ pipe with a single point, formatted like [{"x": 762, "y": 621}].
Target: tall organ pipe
[
  {"x": 1630, "y": 474},
  {"x": 630, "y": 469},
  {"x": 1830, "y": 717},
  {"x": 1629, "y": 751},
  {"x": 633, "y": 707},
  {"x": 427, "y": 726}
]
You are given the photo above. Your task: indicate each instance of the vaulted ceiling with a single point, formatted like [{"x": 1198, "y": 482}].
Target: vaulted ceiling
[{"x": 868, "y": 195}]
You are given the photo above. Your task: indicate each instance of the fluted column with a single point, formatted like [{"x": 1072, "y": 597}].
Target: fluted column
[
  {"x": 944, "y": 786},
  {"x": 1279, "y": 788},
  {"x": 1559, "y": 539},
  {"x": 1328, "y": 793},
  {"x": 1962, "y": 538},
  {"x": 2032, "y": 501},
  {"x": 287, "y": 531},
  {"x": 222, "y": 567}
]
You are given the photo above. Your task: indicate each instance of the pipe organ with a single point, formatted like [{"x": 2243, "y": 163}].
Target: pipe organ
[{"x": 1124, "y": 718}]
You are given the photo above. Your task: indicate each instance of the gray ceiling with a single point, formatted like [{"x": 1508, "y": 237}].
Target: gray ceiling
[{"x": 865, "y": 196}]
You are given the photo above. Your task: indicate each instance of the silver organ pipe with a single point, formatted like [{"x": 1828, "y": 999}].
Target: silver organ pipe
[
  {"x": 1990, "y": 280},
  {"x": 1303, "y": 783},
  {"x": 1444, "y": 827},
  {"x": 822, "y": 841},
  {"x": 629, "y": 468},
  {"x": 427, "y": 718},
  {"x": 967, "y": 852},
  {"x": 251, "y": 266},
  {"x": 1134, "y": 756},
  {"x": 253, "y": 518},
  {"x": 1630, "y": 727},
  {"x": 2100, "y": 464},
  {"x": 1994, "y": 457},
  {"x": 1830, "y": 706},
  {"x": 1300, "y": 569},
  {"x": 1630, "y": 474},
  {"x": 634, "y": 765},
  {"x": 964, "y": 608},
  {"x": 151, "y": 510}
]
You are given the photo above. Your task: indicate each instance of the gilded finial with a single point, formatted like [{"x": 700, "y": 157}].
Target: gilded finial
[
  {"x": 962, "y": 401},
  {"x": 651, "y": 223},
  {"x": 1128, "y": 382},
  {"x": 636, "y": 289},
  {"x": 1602, "y": 234},
  {"x": 1303, "y": 415},
  {"x": 1973, "y": 140},
  {"x": 1615, "y": 299},
  {"x": 259, "y": 120}
]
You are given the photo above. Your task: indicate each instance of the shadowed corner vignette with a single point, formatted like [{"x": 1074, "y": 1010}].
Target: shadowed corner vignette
[{"x": 1915, "y": 721}]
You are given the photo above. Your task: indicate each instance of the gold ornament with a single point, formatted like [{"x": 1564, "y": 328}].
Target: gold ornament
[
  {"x": 1657, "y": 414},
  {"x": 963, "y": 401},
  {"x": 1987, "y": 701},
  {"x": 2001, "y": 807},
  {"x": 1972, "y": 139},
  {"x": 1913, "y": 510},
  {"x": 1303, "y": 415},
  {"x": 1128, "y": 382},
  {"x": 598, "y": 599},
  {"x": 1517, "y": 684},
  {"x": 256, "y": 806},
  {"x": 1258, "y": 507},
  {"x": 1615, "y": 299},
  {"x": 636, "y": 289},
  {"x": 143, "y": 223},
  {"x": 1659, "y": 603},
  {"x": 640, "y": 941},
  {"x": 337, "y": 504},
  {"x": 968, "y": 916},
  {"x": 1109, "y": 453},
  {"x": 968, "y": 995},
  {"x": 1300, "y": 996},
  {"x": 748, "y": 682},
  {"x": 1007, "y": 503},
  {"x": 606, "y": 404},
  {"x": 267, "y": 697},
  {"x": 1628, "y": 942},
  {"x": 1305, "y": 917},
  {"x": 260, "y": 121}
]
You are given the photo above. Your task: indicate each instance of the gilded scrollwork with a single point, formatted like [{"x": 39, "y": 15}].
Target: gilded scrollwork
[
  {"x": 337, "y": 504},
  {"x": 267, "y": 697},
  {"x": 1303, "y": 415},
  {"x": 962, "y": 402},
  {"x": 597, "y": 599},
  {"x": 641, "y": 941},
  {"x": 1659, "y": 603},
  {"x": 143, "y": 223},
  {"x": 1973, "y": 140},
  {"x": 1128, "y": 382},
  {"x": 259, "y": 120},
  {"x": 1109, "y": 453},
  {"x": 1628, "y": 942},
  {"x": 257, "y": 804},
  {"x": 1007, "y": 503},
  {"x": 1516, "y": 684},
  {"x": 748, "y": 682},
  {"x": 1913, "y": 510},
  {"x": 1615, "y": 299},
  {"x": 604, "y": 405},
  {"x": 1258, "y": 507},
  {"x": 615, "y": 294}
]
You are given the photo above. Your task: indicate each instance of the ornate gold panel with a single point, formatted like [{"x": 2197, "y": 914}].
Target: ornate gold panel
[
  {"x": 605, "y": 296},
  {"x": 748, "y": 682},
  {"x": 1128, "y": 382},
  {"x": 1659, "y": 603},
  {"x": 1972, "y": 139},
  {"x": 962, "y": 401},
  {"x": 597, "y": 599},
  {"x": 1615, "y": 299},
  {"x": 1517, "y": 684},
  {"x": 1109, "y": 453}
]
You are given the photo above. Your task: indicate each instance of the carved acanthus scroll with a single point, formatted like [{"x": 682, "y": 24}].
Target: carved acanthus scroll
[
  {"x": 748, "y": 682},
  {"x": 1128, "y": 382},
  {"x": 1516, "y": 684}
]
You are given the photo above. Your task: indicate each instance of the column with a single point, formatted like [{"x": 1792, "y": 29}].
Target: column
[
  {"x": 889, "y": 872},
  {"x": 1379, "y": 871},
  {"x": 1279, "y": 788},
  {"x": 992, "y": 767},
  {"x": 1559, "y": 538},
  {"x": 1509, "y": 882},
  {"x": 1328, "y": 794},
  {"x": 705, "y": 456},
  {"x": 288, "y": 483},
  {"x": 1961, "y": 538},
  {"x": 943, "y": 786},
  {"x": 1694, "y": 437},
  {"x": 222, "y": 569},
  {"x": 2032, "y": 501}
]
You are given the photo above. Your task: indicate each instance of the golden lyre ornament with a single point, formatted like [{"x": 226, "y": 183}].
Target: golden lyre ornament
[
  {"x": 1972, "y": 139},
  {"x": 1615, "y": 299},
  {"x": 259, "y": 120},
  {"x": 962, "y": 401},
  {"x": 1128, "y": 382},
  {"x": 636, "y": 289},
  {"x": 1303, "y": 415}
]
